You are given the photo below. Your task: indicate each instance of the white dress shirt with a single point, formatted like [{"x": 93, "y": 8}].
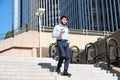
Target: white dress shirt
[{"x": 56, "y": 32}]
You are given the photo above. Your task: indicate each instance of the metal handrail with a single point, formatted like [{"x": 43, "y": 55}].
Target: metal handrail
[
  {"x": 15, "y": 32},
  {"x": 99, "y": 56},
  {"x": 108, "y": 45},
  {"x": 71, "y": 53},
  {"x": 50, "y": 48},
  {"x": 87, "y": 46}
]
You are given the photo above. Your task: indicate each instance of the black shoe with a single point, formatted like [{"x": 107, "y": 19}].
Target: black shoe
[
  {"x": 58, "y": 71},
  {"x": 66, "y": 74}
]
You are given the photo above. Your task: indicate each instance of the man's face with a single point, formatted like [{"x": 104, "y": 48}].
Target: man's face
[{"x": 64, "y": 21}]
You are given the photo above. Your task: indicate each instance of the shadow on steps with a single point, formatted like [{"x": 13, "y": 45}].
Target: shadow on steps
[{"x": 47, "y": 66}]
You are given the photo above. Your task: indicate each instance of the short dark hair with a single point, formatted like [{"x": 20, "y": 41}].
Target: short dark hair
[{"x": 63, "y": 17}]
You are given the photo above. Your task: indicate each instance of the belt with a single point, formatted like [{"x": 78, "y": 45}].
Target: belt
[{"x": 64, "y": 40}]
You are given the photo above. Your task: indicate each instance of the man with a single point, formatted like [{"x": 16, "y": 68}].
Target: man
[{"x": 61, "y": 33}]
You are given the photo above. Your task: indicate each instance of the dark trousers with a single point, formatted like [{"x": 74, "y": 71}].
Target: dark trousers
[{"x": 63, "y": 48}]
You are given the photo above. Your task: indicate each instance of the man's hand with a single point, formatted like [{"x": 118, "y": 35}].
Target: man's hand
[
  {"x": 68, "y": 42},
  {"x": 62, "y": 31}
]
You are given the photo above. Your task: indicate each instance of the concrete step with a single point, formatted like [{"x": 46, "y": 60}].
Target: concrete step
[
  {"x": 26, "y": 77},
  {"x": 85, "y": 78},
  {"x": 23, "y": 70},
  {"x": 24, "y": 59},
  {"x": 14, "y": 68}
]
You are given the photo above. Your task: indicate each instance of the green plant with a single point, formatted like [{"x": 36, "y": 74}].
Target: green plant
[
  {"x": 8, "y": 34},
  {"x": 100, "y": 38}
]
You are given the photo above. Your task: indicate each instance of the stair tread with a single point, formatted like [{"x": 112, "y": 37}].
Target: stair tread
[{"x": 13, "y": 68}]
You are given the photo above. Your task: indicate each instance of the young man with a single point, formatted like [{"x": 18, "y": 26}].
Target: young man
[{"x": 61, "y": 33}]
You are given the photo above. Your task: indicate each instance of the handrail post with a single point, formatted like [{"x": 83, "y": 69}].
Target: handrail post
[
  {"x": 26, "y": 27},
  {"x": 71, "y": 53},
  {"x": 50, "y": 48},
  {"x": 86, "y": 50},
  {"x": 108, "y": 51},
  {"x": 12, "y": 32}
]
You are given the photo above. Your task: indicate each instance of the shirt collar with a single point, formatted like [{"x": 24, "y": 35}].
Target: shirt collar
[{"x": 62, "y": 25}]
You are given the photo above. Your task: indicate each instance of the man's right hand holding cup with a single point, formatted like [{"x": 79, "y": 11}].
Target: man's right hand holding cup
[{"x": 62, "y": 31}]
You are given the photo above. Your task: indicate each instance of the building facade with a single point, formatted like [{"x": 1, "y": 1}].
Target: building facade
[
  {"x": 16, "y": 14},
  {"x": 51, "y": 15},
  {"x": 28, "y": 8},
  {"x": 24, "y": 12},
  {"x": 96, "y": 15}
]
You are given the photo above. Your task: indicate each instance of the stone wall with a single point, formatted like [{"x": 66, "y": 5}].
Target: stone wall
[{"x": 27, "y": 43}]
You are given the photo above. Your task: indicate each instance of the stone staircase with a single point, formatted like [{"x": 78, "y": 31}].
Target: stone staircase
[{"x": 26, "y": 68}]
